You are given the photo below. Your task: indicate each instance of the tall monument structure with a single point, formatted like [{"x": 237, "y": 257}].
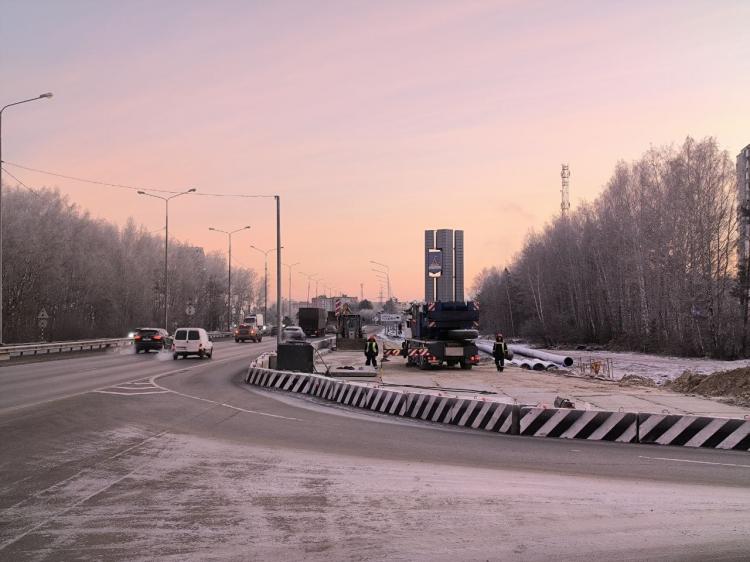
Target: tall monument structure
[{"x": 444, "y": 265}]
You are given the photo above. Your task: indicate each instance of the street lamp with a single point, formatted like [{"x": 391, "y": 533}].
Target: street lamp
[
  {"x": 290, "y": 266},
  {"x": 265, "y": 278},
  {"x": 166, "y": 247},
  {"x": 229, "y": 276},
  {"x": 310, "y": 277},
  {"x": 39, "y": 97},
  {"x": 387, "y": 274},
  {"x": 318, "y": 280}
]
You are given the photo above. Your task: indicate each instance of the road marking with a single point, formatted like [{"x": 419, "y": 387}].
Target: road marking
[
  {"x": 153, "y": 379},
  {"x": 695, "y": 462},
  {"x": 138, "y": 388},
  {"x": 130, "y": 393}
]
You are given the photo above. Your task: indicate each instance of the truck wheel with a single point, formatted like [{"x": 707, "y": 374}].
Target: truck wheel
[
  {"x": 423, "y": 363},
  {"x": 466, "y": 366},
  {"x": 236, "y": 340},
  {"x": 174, "y": 356},
  {"x": 201, "y": 353}
]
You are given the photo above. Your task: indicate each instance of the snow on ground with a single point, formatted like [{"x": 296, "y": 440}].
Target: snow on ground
[
  {"x": 660, "y": 368},
  {"x": 178, "y": 497}
]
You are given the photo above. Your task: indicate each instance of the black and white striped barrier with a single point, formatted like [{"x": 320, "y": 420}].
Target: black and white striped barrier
[
  {"x": 579, "y": 424},
  {"x": 694, "y": 431},
  {"x": 563, "y": 423},
  {"x": 464, "y": 412}
]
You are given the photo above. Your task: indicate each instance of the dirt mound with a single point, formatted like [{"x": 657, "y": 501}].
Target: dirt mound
[
  {"x": 687, "y": 382},
  {"x": 636, "y": 380},
  {"x": 734, "y": 384}
]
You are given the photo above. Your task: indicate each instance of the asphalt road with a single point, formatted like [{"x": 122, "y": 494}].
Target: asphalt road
[{"x": 121, "y": 456}]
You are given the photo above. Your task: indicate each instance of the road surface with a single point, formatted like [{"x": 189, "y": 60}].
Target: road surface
[{"x": 120, "y": 456}]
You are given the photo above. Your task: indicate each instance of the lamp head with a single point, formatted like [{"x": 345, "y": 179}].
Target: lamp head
[
  {"x": 47, "y": 95},
  {"x": 141, "y": 192},
  {"x": 191, "y": 190},
  {"x": 211, "y": 228}
]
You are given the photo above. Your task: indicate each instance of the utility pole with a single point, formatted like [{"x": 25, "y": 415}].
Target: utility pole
[
  {"x": 265, "y": 280},
  {"x": 229, "y": 276},
  {"x": 39, "y": 97},
  {"x": 290, "y": 266},
  {"x": 166, "y": 247}
]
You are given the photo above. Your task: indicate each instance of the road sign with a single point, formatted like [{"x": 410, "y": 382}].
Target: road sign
[
  {"x": 42, "y": 318},
  {"x": 190, "y": 310},
  {"x": 384, "y": 317}
]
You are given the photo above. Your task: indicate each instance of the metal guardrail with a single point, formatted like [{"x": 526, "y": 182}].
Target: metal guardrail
[
  {"x": 34, "y": 349},
  {"x": 29, "y": 349}
]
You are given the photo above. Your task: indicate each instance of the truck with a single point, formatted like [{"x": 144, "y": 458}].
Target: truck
[
  {"x": 313, "y": 321},
  {"x": 442, "y": 333},
  {"x": 249, "y": 329},
  {"x": 349, "y": 335},
  {"x": 255, "y": 320}
]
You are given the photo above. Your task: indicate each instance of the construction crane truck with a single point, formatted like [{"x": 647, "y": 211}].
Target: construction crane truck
[{"x": 442, "y": 333}]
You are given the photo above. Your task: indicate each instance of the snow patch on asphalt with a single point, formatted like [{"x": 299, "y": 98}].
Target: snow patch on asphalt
[{"x": 180, "y": 497}]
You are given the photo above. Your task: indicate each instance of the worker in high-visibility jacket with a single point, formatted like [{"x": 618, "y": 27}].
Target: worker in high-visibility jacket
[
  {"x": 371, "y": 351},
  {"x": 499, "y": 351}
]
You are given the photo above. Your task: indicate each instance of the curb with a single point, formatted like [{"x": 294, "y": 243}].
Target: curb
[{"x": 512, "y": 419}]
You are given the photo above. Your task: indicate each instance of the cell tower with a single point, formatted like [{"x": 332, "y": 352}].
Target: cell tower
[{"x": 565, "y": 191}]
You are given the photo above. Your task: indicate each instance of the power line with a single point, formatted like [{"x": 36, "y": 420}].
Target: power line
[
  {"x": 130, "y": 187},
  {"x": 19, "y": 181}
]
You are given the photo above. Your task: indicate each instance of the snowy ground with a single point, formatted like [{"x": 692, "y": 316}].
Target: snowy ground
[
  {"x": 178, "y": 497},
  {"x": 660, "y": 368},
  {"x": 657, "y": 367}
]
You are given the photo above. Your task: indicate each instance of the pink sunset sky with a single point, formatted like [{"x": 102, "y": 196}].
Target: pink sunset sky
[{"x": 372, "y": 120}]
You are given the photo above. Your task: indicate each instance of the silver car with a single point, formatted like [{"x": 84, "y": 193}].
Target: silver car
[{"x": 292, "y": 333}]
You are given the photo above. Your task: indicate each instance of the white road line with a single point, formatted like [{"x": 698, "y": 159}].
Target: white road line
[
  {"x": 10, "y": 409},
  {"x": 220, "y": 403},
  {"x": 695, "y": 462},
  {"x": 131, "y": 393}
]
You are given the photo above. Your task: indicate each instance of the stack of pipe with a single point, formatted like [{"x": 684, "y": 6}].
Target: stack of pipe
[{"x": 527, "y": 358}]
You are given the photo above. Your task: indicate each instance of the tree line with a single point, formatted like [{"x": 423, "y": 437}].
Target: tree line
[
  {"x": 94, "y": 279},
  {"x": 650, "y": 265}
]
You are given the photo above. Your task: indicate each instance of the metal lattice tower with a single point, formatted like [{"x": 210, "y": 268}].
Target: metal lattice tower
[{"x": 565, "y": 191}]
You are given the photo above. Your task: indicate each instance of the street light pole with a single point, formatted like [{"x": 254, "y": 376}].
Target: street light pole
[
  {"x": 39, "y": 97},
  {"x": 265, "y": 279},
  {"x": 290, "y": 266},
  {"x": 166, "y": 247},
  {"x": 278, "y": 269},
  {"x": 229, "y": 275},
  {"x": 310, "y": 277}
]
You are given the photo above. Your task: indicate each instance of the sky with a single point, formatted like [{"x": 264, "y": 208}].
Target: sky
[{"x": 373, "y": 121}]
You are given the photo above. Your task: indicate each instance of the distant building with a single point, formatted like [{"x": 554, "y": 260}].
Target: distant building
[
  {"x": 329, "y": 303},
  {"x": 743, "y": 207},
  {"x": 444, "y": 265}
]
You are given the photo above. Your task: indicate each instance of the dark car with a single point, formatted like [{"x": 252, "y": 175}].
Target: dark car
[
  {"x": 245, "y": 332},
  {"x": 146, "y": 339}
]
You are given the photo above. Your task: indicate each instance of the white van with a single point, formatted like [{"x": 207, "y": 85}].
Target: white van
[{"x": 192, "y": 341}]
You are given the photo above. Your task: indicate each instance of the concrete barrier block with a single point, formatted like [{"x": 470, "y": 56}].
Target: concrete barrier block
[
  {"x": 578, "y": 424},
  {"x": 694, "y": 431}
]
